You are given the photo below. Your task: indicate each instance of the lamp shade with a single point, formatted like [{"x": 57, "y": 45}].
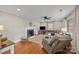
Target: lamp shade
[
  {"x": 64, "y": 30},
  {"x": 1, "y": 27}
]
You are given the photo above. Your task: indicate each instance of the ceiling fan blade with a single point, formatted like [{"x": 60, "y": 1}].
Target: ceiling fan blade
[
  {"x": 49, "y": 18},
  {"x": 46, "y": 18}
]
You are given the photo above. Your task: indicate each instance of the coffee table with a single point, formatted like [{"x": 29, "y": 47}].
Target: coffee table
[{"x": 8, "y": 46}]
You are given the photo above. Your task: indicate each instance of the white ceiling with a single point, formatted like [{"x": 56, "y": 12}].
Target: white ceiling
[{"x": 35, "y": 12}]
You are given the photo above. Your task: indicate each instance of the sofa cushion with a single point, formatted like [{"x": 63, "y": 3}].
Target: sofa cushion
[
  {"x": 53, "y": 39},
  {"x": 55, "y": 43},
  {"x": 48, "y": 39},
  {"x": 59, "y": 45}
]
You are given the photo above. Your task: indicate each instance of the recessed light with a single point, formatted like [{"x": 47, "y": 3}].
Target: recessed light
[{"x": 18, "y": 9}]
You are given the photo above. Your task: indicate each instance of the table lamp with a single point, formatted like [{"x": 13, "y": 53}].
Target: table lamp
[
  {"x": 1, "y": 31},
  {"x": 64, "y": 30}
]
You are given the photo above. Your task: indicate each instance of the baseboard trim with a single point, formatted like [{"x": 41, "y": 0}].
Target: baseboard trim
[{"x": 17, "y": 41}]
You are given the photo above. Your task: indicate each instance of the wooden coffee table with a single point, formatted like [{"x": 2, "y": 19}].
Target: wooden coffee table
[{"x": 9, "y": 45}]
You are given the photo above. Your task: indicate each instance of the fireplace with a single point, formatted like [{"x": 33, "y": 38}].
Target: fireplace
[{"x": 30, "y": 32}]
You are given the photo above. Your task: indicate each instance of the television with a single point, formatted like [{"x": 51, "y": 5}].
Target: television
[{"x": 42, "y": 28}]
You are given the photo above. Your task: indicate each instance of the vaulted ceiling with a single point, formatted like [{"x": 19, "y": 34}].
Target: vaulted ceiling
[{"x": 35, "y": 12}]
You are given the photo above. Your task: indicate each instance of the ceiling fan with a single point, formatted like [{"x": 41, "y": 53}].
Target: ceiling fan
[{"x": 46, "y": 18}]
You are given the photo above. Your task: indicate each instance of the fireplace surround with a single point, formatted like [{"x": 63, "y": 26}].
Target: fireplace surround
[{"x": 30, "y": 32}]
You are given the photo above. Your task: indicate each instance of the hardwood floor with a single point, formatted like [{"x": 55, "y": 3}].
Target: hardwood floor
[{"x": 28, "y": 47}]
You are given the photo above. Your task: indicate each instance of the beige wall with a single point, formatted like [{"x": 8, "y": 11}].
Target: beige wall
[
  {"x": 14, "y": 26},
  {"x": 52, "y": 25},
  {"x": 70, "y": 28},
  {"x": 74, "y": 28},
  {"x": 77, "y": 28}
]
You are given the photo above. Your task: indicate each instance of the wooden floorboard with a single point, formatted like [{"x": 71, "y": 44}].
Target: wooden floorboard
[{"x": 28, "y": 47}]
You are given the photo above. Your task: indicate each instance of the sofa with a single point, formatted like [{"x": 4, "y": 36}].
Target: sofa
[{"x": 56, "y": 44}]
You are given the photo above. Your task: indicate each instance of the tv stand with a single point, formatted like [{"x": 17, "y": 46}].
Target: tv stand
[{"x": 42, "y": 31}]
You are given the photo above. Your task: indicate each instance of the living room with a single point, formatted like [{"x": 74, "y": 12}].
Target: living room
[{"x": 27, "y": 26}]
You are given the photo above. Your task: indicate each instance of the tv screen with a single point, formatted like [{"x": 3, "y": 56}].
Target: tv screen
[{"x": 42, "y": 27}]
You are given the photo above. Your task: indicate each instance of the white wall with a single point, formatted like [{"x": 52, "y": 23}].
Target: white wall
[
  {"x": 71, "y": 28},
  {"x": 77, "y": 28},
  {"x": 50, "y": 25},
  {"x": 74, "y": 28},
  {"x": 14, "y": 26},
  {"x": 57, "y": 25},
  {"x": 64, "y": 23},
  {"x": 35, "y": 25}
]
